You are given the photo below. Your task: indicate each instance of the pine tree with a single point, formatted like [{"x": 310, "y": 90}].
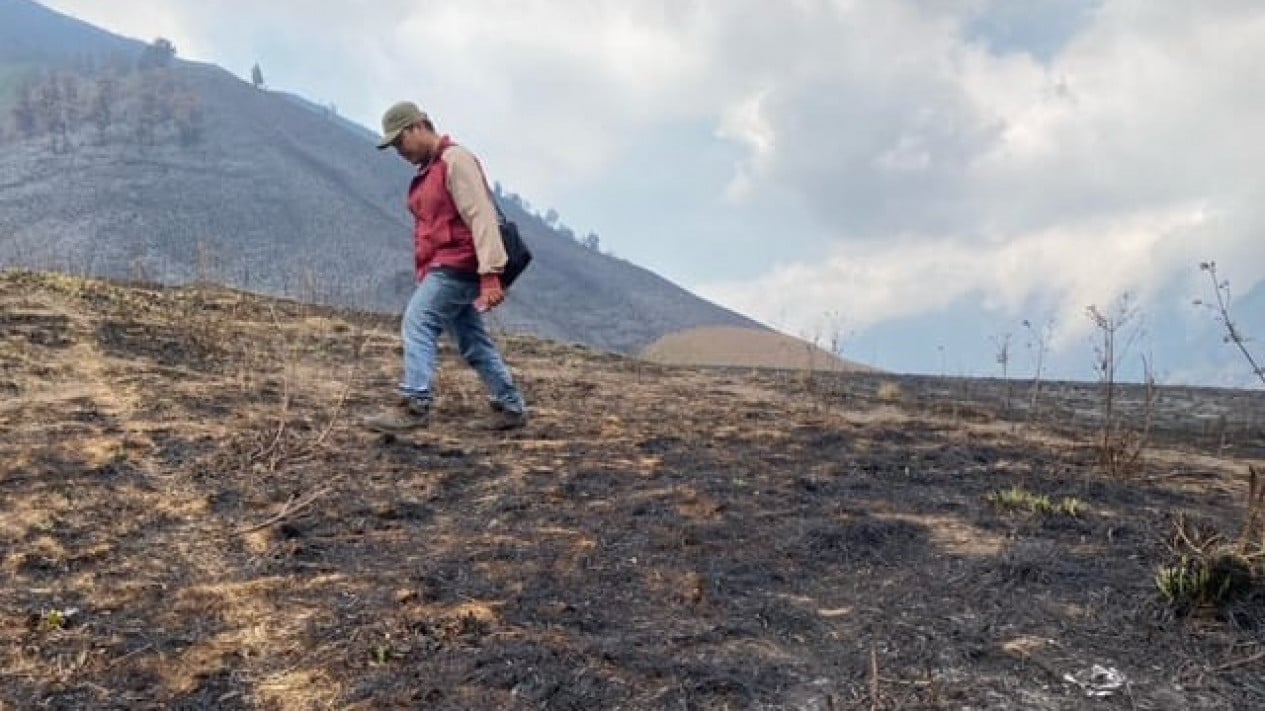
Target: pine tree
[
  {"x": 146, "y": 115},
  {"x": 26, "y": 110},
  {"x": 101, "y": 112},
  {"x": 52, "y": 114},
  {"x": 189, "y": 120}
]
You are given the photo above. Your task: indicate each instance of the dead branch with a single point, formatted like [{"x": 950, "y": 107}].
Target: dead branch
[
  {"x": 1259, "y": 656},
  {"x": 1222, "y": 310},
  {"x": 1255, "y": 511},
  {"x": 874, "y": 699},
  {"x": 291, "y": 507}
]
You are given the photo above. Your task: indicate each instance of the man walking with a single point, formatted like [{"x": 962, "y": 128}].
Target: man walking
[{"x": 458, "y": 256}]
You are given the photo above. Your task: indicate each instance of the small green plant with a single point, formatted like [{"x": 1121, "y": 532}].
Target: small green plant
[
  {"x": 55, "y": 619},
  {"x": 1018, "y": 499},
  {"x": 1208, "y": 569},
  {"x": 1072, "y": 507},
  {"x": 1204, "y": 580}
]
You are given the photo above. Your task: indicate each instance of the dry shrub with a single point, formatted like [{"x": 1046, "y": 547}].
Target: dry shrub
[
  {"x": 1121, "y": 440},
  {"x": 1210, "y": 571},
  {"x": 890, "y": 392}
]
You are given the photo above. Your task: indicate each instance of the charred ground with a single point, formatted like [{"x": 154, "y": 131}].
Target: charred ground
[{"x": 191, "y": 519}]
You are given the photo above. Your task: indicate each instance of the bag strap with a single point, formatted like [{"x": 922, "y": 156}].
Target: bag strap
[
  {"x": 501, "y": 219},
  {"x": 500, "y": 214}
]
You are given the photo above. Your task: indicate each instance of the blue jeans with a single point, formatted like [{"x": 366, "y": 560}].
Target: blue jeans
[{"x": 443, "y": 301}]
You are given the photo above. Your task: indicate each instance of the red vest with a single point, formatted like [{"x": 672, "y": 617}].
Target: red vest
[{"x": 441, "y": 238}]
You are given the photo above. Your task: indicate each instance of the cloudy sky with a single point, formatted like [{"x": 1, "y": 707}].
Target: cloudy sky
[{"x": 819, "y": 163}]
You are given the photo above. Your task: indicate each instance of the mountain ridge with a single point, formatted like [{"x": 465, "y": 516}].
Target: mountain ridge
[{"x": 270, "y": 192}]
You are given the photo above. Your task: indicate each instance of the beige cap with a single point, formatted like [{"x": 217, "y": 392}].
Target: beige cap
[{"x": 397, "y": 118}]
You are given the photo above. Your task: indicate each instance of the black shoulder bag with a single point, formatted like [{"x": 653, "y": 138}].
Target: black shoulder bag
[{"x": 516, "y": 250}]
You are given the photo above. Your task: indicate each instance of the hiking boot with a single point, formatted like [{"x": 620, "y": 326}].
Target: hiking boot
[
  {"x": 408, "y": 415},
  {"x": 503, "y": 420}
]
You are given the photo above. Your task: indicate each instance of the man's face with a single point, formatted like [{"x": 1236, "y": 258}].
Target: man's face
[{"x": 412, "y": 145}]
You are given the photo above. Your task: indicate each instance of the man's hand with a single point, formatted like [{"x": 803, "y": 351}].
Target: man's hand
[{"x": 491, "y": 294}]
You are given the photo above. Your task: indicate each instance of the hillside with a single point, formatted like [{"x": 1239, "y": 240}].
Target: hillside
[
  {"x": 182, "y": 172},
  {"x": 745, "y": 348},
  {"x": 190, "y": 518}
]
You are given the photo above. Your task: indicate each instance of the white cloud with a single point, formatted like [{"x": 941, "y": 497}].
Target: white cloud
[
  {"x": 746, "y": 124},
  {"x": 1079, "y": 264},
  {"x": 1122, "y": 161}
]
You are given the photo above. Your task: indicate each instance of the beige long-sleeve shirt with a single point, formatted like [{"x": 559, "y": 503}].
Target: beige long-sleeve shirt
[{"x": 470, "y": 193}]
